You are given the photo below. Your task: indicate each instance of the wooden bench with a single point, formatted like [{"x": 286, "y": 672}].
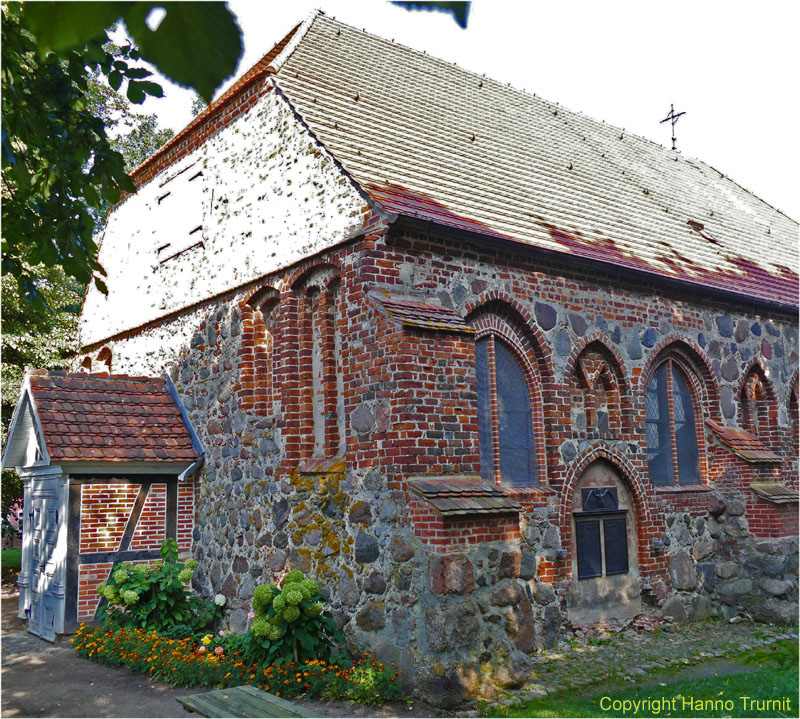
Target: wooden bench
[{"x": 243, "y": 701}]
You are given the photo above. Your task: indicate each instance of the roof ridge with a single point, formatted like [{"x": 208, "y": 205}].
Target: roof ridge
[
  {"x": 298, "y": 34},
  {"x": 116, "y": 377}
]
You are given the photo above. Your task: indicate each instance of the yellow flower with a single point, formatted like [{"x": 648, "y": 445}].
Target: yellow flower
[{"x": 207, "y": 639}]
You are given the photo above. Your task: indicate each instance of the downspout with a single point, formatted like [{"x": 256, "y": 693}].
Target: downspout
[{"x": 191, "y": 470}]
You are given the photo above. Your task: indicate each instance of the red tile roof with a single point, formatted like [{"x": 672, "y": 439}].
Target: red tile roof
[
  {"x": 429, "y": 140},
  {"x": 776, "y": 493},
  {"x": 744, "y": 444},
  {"x": 413, "y": 313},
  {"x": 457, "y": 496},
  {"x": 109, "y": 418}
]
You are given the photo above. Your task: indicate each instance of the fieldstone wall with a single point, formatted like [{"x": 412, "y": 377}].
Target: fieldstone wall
[
  {"x": 717, "y": 567},
  {"x": 463, "y": 621},
  {"x": 484, "y": 611}
]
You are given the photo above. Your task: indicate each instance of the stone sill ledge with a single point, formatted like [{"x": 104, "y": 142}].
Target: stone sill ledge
[{"x": 686, "y": 488}]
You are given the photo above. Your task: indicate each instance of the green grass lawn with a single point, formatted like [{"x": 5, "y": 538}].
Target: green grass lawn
[
  {"x": 11, "y": 558},
  {"x": 710, "y": 697}
]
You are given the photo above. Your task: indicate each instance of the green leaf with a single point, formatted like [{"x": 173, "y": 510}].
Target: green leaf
[
  {"x": 115, "y": 80},
  {"x": 101, "y": 286},
  {"x": 197, "y": 44},
  {"x": 137, "y": 73},
  {"x": 152, "y": 88},
  {"x": 135, "y": 93},
  {"x": 63, "y": 25}
]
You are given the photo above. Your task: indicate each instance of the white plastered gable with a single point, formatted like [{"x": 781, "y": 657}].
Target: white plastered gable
[{"x": 255, "y": 197}]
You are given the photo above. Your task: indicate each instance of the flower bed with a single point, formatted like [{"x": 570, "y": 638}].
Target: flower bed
[{"x": 213, "y": 662}]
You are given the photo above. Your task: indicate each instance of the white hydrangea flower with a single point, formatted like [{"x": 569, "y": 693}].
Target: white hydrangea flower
[{"x": 220, "y": 600}]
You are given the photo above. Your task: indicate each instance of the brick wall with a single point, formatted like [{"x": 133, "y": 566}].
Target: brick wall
[
  {"x": 89, "y": 576},
  {"x": 105, "y": 510},
  {"x": 151, "y": 529}
]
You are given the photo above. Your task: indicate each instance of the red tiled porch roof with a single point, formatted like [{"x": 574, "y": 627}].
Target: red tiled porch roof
[{"x": 109, "y": 418}]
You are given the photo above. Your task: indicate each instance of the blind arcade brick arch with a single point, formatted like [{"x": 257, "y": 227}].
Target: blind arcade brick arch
[
  {"x": 259, "y": 322},
  {"x": 599, "y": 387},
  {"x": 758, "y": 403},
  {"x": 318, "y": 370}
]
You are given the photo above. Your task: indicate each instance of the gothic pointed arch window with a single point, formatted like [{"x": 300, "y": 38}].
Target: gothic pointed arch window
[
  {"x": 505, "y": 418},
  {"x": 672, "y": 448}
]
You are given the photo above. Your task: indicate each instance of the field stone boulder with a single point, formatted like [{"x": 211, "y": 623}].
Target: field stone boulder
[
  {"x": 450, "y": 686},
  {"x": 237, "y": 623},
  {"x": 403, "y": 660},
  {"x": 770, "y": 565},
  {"x": 527, "y": 567},
  {"x": 519, "y": 625},
  {"x": 505, "y": 594},
  {"x": 375, "y": 583},
  {"x": 776, "y": 587},
  {"x": 735, "y": 508},
  {"x": 726, "y": 570},
  {"x": 698, "y": 607},
  {"x": 463, "y": 626},
  {"x": 402, "y": 550},
  {"x": 703, "y": 548},
  {"x": 774, "y": 611},
  {"x": 550, "y": 627},
  {"x": 451, "y": 574},
  {"x": 546, "y": 315},
  {"x": 510, "y": 565},
  {"x": 733, "y": 592},
  {"x": 349, "y": 593},
  {"x": 716, "y": 504},
  {"x": 366, "y": 548},
  {"x": 673, "y": 609},
  {"x": 513, "y": 671},
  {"x": 682, "y": 572},
  {"x": 372, "y": 616},
  {"x": 436, "y": 629}
]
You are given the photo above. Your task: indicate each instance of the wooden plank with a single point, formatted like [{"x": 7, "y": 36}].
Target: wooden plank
[
  {"x": 244, "y": 701},
  {"x": 205, "y": 705},
  {"x": 292, "y": 709},
  {"x": 256, "y": 705}
]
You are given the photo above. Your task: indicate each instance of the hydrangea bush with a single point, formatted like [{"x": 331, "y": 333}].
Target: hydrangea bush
[
  {"x": 289, "y": 623},
  {"x": 157, "y": 596}
]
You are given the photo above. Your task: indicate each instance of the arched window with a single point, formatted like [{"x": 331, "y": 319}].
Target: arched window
[
  {"x": 672, "y": 455},
  {"x": 505, "y": 421}
]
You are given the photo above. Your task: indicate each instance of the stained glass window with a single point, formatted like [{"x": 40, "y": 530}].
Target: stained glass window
[
  {"x": 672, "y": 454},
  {"x": 505, "y": 423}
]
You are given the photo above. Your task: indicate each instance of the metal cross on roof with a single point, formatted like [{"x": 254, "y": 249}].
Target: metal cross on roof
[{"x": 674, "y": 118}]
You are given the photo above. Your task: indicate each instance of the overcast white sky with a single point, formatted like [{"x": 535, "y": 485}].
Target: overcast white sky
[{"x": 731, "y": 66}]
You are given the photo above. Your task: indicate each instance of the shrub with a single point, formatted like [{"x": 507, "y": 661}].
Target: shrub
[
  {"x": 289, "y": 623},
  {"x": 365, "y": 681},
  {"x": 157, "y": 596}
]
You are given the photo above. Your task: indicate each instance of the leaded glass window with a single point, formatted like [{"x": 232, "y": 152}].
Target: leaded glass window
[
  {"x": 505, "y": 422},
  {"x": 672, "y": 454}
]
